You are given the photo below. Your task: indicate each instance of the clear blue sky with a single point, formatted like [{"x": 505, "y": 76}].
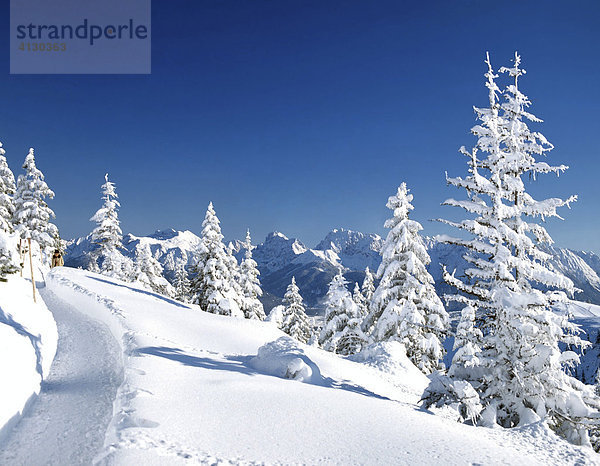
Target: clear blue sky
[{"x": 303, "y": 116}]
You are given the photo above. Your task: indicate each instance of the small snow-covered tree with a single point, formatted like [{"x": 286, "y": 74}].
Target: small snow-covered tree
[
  {"x": 211, "y": 287},
  {"x": 31, "y": 217},
  {"x": 7, "y": 191},
  {"x": 523, "y": 367},
  {"x": 341, "y": 331},
  {"x": 360, "y": 301},
  {"x": 368, "y": 286},
  {"x": 405, "y": 305},
  {"x": 149, "y": 272},
  {"x": 9, "y": 261},
  {"x": 108, "y": 236},
  {"x": 182, "y": 283},
  {"x": 294, "y": 320},
  {"x": 250, "y": 284},
  {"x": 467, "y": 346},
  {"x": 235, "y": 274}
]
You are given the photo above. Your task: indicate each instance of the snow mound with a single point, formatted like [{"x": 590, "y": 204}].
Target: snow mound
[
  {"x": 284, "y": 358},
  {"x": 390, "y": 358},
  {"x": 28, "y": 341}
]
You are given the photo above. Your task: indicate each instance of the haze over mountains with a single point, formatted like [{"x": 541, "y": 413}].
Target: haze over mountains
[{"x": 279, "y": 258}]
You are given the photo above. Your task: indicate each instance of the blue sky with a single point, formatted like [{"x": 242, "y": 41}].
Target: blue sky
[{"x": 305, "y": 116}]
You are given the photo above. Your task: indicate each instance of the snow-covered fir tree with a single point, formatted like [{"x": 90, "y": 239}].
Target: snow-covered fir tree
[
  {"x": 149, "y": 272},
  {"x": 235, "y": 274},
  {"x": 523, "y": 367},
  {"x": 8, "y": 261},
  {"x": 341, "y": 331},
  {"x": 405, "y": 305},
  {"x": 250, "y": 284},
  {"x": 212, "y": 287},
  {"x": 467, "y": 346},
  {"x": 368, "y": 286},
  {"x": 108, "y": 236},
  {"x": 182, "y": 283},
  {"x": 7, "y": 191},
  {"x": 31, "y": 217},
  {"x": 294, "y": 320},
  {"x": 360, "y": 301}
]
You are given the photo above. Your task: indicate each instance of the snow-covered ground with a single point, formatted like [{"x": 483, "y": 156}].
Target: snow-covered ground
[
  {"x": 67, "y": 422},
  {"x": 202, "y": 388},
  {"x": 28, "y": 339}
]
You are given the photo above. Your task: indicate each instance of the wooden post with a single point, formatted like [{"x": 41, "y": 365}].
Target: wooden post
[
  {"x": 31, "y": 268},
  {"x": 21, "y": 258}
]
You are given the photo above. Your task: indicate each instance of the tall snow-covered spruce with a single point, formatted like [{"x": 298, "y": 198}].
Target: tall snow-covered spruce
[
  {"x": 341, "y": 331},
  {"x": 211, "y": 287},
  {"x": 250, "y": 284},
  {"x": 7, "y": 191},
  {"x": 8, "y": 261},
  {"x": 294, "y": 320},
  {"x": 31, "y": 217},
  {"x": 405, "y": 306},
  {"x": 235, "y": 274},
  {"x": 522, "y": 367},
  {"x": 108, "y": 236}
]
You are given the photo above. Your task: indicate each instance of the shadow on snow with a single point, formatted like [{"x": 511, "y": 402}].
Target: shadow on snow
[
  {"x": 137, "y": 290},
  {"x": 241, "y": 364}
]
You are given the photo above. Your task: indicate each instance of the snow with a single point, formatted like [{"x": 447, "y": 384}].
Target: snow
[
  {"x": 28, "y": 340},
  {"x": 355, "y": 250},
  {"x": 199, "y": 388},
  {"x": 68, "y": 419},
  {"x": 279, "y": 258},
  {"x": 581, "y": 310},
  {"x": 284, "y": 358},
  {"x": 390, "y": 359}
]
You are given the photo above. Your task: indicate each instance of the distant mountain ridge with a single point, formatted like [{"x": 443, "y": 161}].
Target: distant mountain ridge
[{"x": 279, "y": 258}]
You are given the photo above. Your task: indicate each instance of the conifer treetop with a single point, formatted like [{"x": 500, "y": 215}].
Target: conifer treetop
[
  {"x": 7, "y": 190},
  {"x": 108, "y": 231},
  {"x": 32, "y": 215}
]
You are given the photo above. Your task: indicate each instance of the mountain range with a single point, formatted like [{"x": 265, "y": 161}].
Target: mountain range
[{"x": 279, "y": 258}]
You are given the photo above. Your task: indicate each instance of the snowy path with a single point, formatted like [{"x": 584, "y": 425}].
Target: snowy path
[{"x": 67, "y": 423}]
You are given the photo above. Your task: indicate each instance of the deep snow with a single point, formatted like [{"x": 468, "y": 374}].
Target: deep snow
[
  {"x": 66, "y": 425},
  {"x": 193, "y": 392},
  {"x": 28, "y": 339}
]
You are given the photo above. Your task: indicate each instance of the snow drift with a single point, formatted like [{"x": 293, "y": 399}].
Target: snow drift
[
  {"x": 284, "y": 358},
  {"x": 28, "y": 340}
]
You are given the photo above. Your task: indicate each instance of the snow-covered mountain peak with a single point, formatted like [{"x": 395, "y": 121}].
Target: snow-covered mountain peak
[
  {"x": 276, "y": 234},
  {"x": 355, "y": 249},
  {"x": 277, "y": 239},
  {"x": 278, "y": 250},
  {"x": 164, "y": 234},
  {"x": 279, "y": 258},
  {"x": 166, "y": 239}
]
